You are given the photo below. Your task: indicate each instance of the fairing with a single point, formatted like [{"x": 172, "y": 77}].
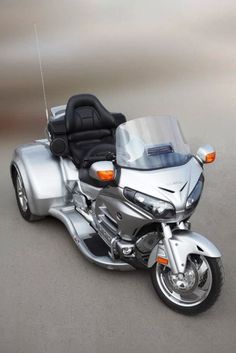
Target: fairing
[{"x": 170, "y": 184}]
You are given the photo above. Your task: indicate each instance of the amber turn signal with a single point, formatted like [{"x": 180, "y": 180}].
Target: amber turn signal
[
  {"x": 210, "y": 157},
  {"x": 162, "y": 260},
  {"x": 106, "y": 175}
]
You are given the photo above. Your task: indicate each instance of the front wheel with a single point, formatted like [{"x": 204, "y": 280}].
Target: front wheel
[{"x": 194, "y": 291}]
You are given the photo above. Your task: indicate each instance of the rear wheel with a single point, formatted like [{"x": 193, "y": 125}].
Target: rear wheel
[
  {"x": 21, "y": 197},
  {"x": 194, "y": 291}
]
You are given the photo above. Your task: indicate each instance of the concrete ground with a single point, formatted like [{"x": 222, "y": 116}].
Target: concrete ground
[{"x": 53, "y": 300}]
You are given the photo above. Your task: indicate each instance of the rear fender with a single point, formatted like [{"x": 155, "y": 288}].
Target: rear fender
[{"x": 42, "y": 177}]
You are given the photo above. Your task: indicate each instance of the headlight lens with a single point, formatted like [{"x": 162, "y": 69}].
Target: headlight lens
[
  {"x": 158, "y": 208},
  {"x": 194, "y": 197}
]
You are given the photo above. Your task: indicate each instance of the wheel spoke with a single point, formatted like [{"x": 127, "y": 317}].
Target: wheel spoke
[
  {"x": 199, "y": 292},
  {"x": 202, "y": 269}
]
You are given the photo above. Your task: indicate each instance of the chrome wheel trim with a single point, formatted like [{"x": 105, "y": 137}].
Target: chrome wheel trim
[
  {"x": 21, "y": 194},
  {"x": 192, "y": 297}
]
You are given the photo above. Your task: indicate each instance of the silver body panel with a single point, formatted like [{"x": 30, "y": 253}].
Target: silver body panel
[
  {"x": 90, "y": 191},
  {"x": 42, "y": 176}
]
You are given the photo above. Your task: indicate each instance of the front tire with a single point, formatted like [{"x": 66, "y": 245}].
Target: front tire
[
  {"x": 21, "y": 198},
  {"x": 194, "y": 292}
]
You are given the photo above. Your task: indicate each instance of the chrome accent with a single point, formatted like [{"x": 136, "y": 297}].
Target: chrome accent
[
  {"x": 168, "y": 248},
  {"x": 184, "y": 282},
  {"x": 122, "y": 246},
  {"x": 190, "y": 288},
  {"x": 106, "y": 225},
  {"x": 181, "y": 225}
]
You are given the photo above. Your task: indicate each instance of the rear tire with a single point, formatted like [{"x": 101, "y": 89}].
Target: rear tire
[
  {"x": 21, "y": 198},
  {"x": 172, "y": 298}
]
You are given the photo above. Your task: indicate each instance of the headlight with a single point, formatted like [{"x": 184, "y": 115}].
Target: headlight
[
  {"x": 194, "y": 197},
  {"x": 158, "y": 208}
]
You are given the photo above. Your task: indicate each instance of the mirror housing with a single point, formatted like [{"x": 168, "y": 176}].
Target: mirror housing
[
  {"x": 206, "y": 154},
  {"x": 102, "y": 171}
]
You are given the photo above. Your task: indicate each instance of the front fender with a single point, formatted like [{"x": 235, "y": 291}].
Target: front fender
[{"x": 183, "y": 243}]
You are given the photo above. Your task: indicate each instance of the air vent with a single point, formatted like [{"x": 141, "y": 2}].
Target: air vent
[
  {"x": 183, "y": 186},
  {"x": 168, "y": 190},
  {"x": 159, "y": 149},
  {"x": 107, "y": 223}
]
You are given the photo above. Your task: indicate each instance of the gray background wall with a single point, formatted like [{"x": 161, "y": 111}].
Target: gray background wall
[{"x": 142, "y": 57}]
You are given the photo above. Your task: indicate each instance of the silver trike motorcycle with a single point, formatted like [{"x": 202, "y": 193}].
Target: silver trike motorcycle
[{"x": 125, "y": 190}]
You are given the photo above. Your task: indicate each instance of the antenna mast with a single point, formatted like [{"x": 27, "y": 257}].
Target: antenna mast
[{"x": 41, "y": 69}]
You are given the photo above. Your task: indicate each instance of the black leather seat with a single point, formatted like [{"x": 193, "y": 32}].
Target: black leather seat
[{"x": 87, "y": 126}]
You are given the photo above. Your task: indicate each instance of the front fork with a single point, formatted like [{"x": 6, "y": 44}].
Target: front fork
[{"x": 175, "y": 266}]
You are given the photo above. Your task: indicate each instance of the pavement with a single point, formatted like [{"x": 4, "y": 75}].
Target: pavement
[{"x": 53, "y": 300}]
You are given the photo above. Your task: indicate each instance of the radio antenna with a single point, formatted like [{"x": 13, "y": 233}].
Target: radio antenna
[{"x": 41, "y": 69}]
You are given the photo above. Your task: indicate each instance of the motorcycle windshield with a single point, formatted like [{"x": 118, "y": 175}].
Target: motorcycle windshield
[{"x": 151, "y": 143}]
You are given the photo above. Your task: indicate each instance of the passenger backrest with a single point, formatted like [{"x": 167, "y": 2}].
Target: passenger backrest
[{"x": 86, "y": 123}]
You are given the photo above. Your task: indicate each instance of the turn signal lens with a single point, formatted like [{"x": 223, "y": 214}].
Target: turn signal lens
[
  {"x": 162, "y": 260},
  {"x": 210, "y": 157},
  {"x": 106, "y": 175}
]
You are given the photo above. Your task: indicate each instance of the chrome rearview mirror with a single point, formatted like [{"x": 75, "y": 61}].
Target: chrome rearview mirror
[
  {"x": 206, "y": 154},
  {"x": 102, "y": 171}
]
